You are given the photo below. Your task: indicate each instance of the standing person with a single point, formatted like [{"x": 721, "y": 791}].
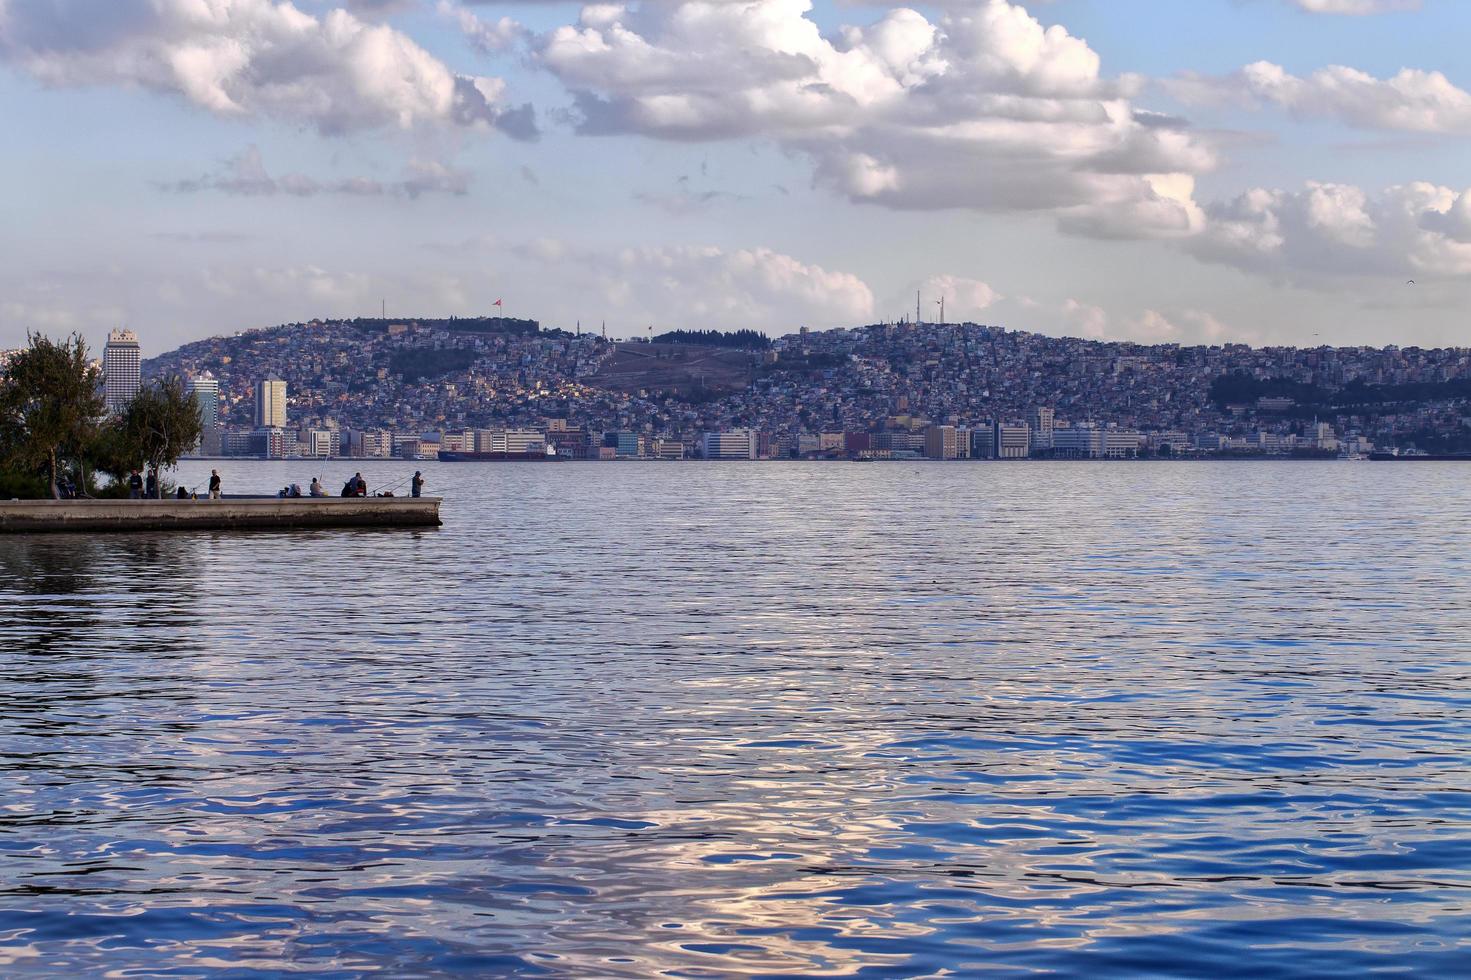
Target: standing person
[
  {"x": 135, "y": 486},
  {"x": 152, "y": 490},
  {"x": 214, "y": 484},
  {"x": 418, "y": 483}
]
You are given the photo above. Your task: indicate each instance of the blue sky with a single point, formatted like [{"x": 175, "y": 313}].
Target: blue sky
[{"x": 1268, "y": 171}]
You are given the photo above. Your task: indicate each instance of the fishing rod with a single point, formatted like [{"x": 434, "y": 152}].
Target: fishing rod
[{"x": 389, "y": 489}]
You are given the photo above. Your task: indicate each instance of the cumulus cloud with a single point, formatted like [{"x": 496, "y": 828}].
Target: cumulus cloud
[
  {"x": 251, "y": 58},
  {"x": 1179, "y": 326},
  {"x": 1417, "y": 230},
  {"x": 245, "y": 174},
  {"x": 715, "y": 287},
  {"x": 984, "y": 108},
  {"x": 1412, "y": 100},
  {"x": 965, "y": 299},
  {"x": 487, "y": 37}
]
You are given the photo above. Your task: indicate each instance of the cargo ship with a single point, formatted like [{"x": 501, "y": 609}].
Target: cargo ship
[{"x": 1421, "y": 457}]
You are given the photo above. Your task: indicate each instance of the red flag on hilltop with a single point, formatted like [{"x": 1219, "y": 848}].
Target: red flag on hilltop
[{"x": 496, "y": 303}]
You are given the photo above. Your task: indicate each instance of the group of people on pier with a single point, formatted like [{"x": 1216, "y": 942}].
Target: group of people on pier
[{"x": 356, "y": 486}]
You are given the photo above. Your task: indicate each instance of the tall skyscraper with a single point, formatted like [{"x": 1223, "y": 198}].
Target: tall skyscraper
[
  {"x": 270, "y": 404},
  {"x": 122, "y": 369},
  {"x": 1043, "y": 423},
  {"x": 206, "y": 392}
]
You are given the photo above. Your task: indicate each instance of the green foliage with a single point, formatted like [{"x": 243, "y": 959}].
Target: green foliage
[
  {"x": 50, "y": 406},
  {"x": 161, "y": 424},
  {"x": 1356, "y": 392},
  {"x": 418, "y": 363},
  {"x": 739, "y": 339},
  {"x": 112, "y": 451},
  {"x": 1239, "y": 388}
]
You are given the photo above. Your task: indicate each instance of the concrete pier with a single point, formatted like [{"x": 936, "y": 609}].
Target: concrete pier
[{"x": 228, "y": 514}]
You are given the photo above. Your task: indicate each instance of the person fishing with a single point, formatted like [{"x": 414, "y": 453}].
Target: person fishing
[
  {"x": 214, "y": 484},
  {"x": 418, "y": 484},
  {"x": 316, "y": 489}
]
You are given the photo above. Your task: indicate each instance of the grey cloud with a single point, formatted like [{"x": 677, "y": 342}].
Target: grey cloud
[
  {"x": 682, "y": 202},
  {"x": 245, "y": 175}
]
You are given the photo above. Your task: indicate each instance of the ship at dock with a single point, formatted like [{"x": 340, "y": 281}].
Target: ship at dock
[{"x": 1421, "y": 457}]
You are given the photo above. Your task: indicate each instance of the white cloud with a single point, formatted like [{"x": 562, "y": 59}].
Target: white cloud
[
  {"x": 252, "y": 58},
  {"x": 965, "y": 299},
  {"x": 1332, "y": 231},
  {"x": 1175, "y": 326},
  {"x": 1355, "y": 8},
  {"x": 705, "y": 286},
  {"x": 1412, "y": 100},
  {"x": 985, "y": 108},
  {"x": 487, "y": 37},
  {"x": 245, "y": 174}
]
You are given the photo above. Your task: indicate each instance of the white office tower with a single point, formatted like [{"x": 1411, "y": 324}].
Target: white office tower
[
  {"x": 734, "y": 444},
  {"x": 270, "y": 404},
  {"x": 122, "y": 369},
  {"x": 206, "y": 392}
]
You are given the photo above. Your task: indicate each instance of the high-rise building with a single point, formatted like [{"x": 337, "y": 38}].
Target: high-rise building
[
  {"x": 270, "y": 404},
  {"x": 1043, "y": 423},
  {"x": 122, "y": 369},
  {"x": 206, "y": 392}
]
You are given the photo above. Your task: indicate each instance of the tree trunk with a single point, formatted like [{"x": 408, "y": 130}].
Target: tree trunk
[{"x": 55, "y": 492}]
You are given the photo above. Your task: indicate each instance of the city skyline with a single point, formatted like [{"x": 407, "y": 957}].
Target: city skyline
[{"x": 1275, "y": 171}]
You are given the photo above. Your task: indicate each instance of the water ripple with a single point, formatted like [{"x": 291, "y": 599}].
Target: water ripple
[{"x": 759, "y": 720}]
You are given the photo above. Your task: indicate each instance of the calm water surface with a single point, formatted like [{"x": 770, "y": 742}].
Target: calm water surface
[{"x": 707, "y": 720}]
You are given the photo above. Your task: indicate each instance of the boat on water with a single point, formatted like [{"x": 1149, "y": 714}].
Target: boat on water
[
  {"x": 1421, "y": 457},
  {"x": 225, "y": 514}
]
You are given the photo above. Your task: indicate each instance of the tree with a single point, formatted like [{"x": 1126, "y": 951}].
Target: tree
[
  {"x": 161, "y": 424},
  {"x": 50, "y": 405}
]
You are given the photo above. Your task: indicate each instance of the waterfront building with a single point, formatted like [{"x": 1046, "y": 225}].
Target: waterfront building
[
  {"x": 122, "y": 369},
  {"x": 206, "y": 391},
  {"x": 625, "y": 444},
  {"x": 668, "y": 449},
  {"x": 983, "y": 441},
  {"x": 1013, "y": 441},
  {"x": 510, "y": 441},
  {"x": 734, "y": 444},
  {"x": 1043, "y": 424},
  {"x": 322, "y": 443},
  {"x": 941, "y": 442},
  {"x": 270, "y": 404}
]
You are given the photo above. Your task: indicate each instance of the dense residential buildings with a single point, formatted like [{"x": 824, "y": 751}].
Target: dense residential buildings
[
  {"x": 883, "y": 391},
  {"x": 122, "y": 377}
]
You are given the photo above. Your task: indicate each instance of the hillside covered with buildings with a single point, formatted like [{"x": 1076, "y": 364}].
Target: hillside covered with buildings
[{"x": 410, "y": 387}]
